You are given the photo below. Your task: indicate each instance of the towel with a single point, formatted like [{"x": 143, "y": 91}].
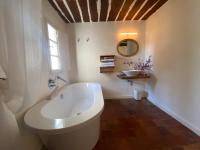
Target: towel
[
  {"x": 107, "y": 64},
  {"x": 107, "y": 60}
]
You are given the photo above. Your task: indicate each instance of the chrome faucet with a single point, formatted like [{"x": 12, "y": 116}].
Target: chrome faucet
[
  {"x": 60, "y": 78},
  {"x": 51, "y": 83}
]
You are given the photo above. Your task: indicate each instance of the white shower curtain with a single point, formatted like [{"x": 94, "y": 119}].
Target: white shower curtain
[
  {"x": 10, "y": 136},
  {"x": 23, "y": 56},
  {"x": 20, "y": 57}
]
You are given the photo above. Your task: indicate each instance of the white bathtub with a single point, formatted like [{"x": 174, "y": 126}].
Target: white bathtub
[{"x": 71, "y": 120}]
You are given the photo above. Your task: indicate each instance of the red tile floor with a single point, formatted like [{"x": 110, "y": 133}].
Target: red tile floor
[{"x": 139, "y": 125}]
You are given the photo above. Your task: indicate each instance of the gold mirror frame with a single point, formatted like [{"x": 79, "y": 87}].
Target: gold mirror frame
[{"x": 128, "y": 40}]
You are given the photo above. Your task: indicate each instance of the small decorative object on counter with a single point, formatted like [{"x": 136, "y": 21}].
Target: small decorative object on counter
[{"x": 144, "y": 65}]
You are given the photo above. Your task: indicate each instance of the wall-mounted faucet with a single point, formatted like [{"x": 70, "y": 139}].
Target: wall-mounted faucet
[
  {"x": 60, "y": 78},
  {"x": 51, "y": 83}
]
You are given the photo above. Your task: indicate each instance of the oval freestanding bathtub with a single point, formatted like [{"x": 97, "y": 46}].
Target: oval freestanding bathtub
[{"x": 71, "y": 120}]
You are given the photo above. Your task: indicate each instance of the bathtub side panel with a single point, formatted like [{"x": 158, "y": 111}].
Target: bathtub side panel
[{"x": 86, "y": 137}]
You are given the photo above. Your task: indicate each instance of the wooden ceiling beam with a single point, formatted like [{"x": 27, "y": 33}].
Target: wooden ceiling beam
[
  {"x": 104, "y": 10},
  {"x": 74, "y": 10},
  {"x": 115, "y": 8},
  {"x": 154, "y": 9},
  {"x": 59, "y": 13},
  {"x": 124, "y": 10},
  {"x": 135, "y": 9},
  {"x": 65, "y": 10},
  {"x": 146, "y": 7},
  {"x": 84, "y": 9},
  {"x": 93, "y": 10},
  {"x": 108, "y": 10}
]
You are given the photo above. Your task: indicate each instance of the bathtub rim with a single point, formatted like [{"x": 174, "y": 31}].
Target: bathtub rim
[{"x": 46, "y": 125}]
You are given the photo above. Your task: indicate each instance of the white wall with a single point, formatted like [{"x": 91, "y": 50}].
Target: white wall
[
  {"x": 104, "y": 38},
  {"x": 51, "y": 16},
  {"x": 172, "y": 38},
  {"x": 24, "y": 56}
]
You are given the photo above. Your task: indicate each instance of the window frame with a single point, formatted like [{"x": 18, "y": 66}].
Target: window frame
[{"x": 49, "y": 50}]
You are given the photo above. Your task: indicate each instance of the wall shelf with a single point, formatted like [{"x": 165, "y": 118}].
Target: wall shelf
[
  {"x": 107, "y": 63},
  {"x": 140, "y": 76},
  {"x": 131, "y": 78}
]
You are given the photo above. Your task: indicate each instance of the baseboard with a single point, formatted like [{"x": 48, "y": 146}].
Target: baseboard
[
  {"x": 177, "y": 117},
  {"x": 117, "y": 97}
]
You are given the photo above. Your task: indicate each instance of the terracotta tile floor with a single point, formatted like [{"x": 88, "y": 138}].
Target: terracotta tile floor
[{"x": 139, "y": 125}]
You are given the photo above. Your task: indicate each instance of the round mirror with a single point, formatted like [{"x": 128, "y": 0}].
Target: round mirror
[{"x": 128, "y": 47}]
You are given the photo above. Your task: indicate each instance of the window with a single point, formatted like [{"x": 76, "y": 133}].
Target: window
[{"x": 54, "y": 48}]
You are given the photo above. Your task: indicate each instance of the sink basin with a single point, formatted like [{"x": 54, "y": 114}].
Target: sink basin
[{"x": 131, "y": 72}]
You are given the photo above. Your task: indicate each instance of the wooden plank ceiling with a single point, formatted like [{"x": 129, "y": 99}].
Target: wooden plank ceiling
[{"x": 74, "y": 11}]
